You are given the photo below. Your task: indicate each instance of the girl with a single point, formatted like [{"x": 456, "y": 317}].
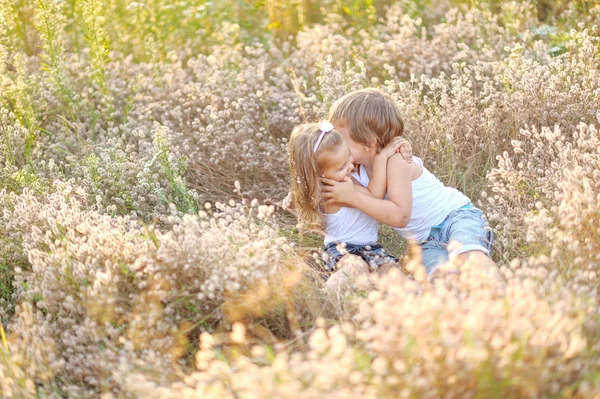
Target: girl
[{"x": 318, "y": 151}]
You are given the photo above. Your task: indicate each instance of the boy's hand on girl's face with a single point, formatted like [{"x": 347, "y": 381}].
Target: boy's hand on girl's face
[{"x": 335, "y": 192}]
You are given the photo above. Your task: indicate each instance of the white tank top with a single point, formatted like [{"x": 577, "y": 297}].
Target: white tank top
[
  {"x": 351, "y": 226},
  {"x": 432, "y": 202}
]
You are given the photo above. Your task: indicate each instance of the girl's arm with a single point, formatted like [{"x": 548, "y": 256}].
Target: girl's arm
[
  {"x": 395, "y": 211},
  {"x": 377, "y": 183}
]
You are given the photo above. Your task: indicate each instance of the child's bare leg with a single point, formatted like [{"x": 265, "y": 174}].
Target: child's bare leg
[
  {"x": 481, "y": 261},
  {"x": 350, "y": 267},
  {"x": 447, "y": 272}
]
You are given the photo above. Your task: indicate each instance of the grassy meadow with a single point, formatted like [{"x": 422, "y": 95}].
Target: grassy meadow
[{"x": 143, "y": 152}]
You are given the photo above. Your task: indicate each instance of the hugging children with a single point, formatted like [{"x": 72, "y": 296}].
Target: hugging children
[{"x": 346, "y": 174}]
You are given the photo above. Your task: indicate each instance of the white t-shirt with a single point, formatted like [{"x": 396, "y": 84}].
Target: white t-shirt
[
  {"x": 351, "y": 226},
  {"x": 432, "y": 202}
]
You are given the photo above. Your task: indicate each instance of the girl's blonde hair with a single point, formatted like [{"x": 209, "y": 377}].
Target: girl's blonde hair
[
  {"x": 306, "y": 168},
  {"x": 371, "y": 115}
]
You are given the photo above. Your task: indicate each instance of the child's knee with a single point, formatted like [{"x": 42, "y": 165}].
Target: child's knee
[
  {"x": 473, "y": 258},
  {"x": 352, "y": 271},
  {"x": 479, "y": 261},
  {"x": 353, "y": 265}
]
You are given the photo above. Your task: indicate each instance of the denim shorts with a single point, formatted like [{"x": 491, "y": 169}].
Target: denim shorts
[
  {"x": 374, "y": 254},
  {"x": 464, "y": 229}
]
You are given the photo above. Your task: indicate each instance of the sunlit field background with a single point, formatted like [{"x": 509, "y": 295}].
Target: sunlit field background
[{"x": 143, "y": 152}]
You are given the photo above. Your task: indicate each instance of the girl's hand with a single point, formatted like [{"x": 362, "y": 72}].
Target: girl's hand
[
  {"x": 338, "y": 193},
  {"x": 288, "y": 202},
  {"x": 398, "y": 144}
]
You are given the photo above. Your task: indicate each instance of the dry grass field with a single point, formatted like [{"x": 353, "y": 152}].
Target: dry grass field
[{"x": 143, "y": 151}]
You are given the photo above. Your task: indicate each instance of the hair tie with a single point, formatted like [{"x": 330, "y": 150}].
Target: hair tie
[{"x": 326, "y": 127}]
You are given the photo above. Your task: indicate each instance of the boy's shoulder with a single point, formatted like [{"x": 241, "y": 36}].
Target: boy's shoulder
[{"x": 397, "y": 166}]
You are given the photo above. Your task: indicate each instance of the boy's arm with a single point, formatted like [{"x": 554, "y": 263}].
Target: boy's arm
[
  {"x": 394, "y": 212},
  {"x": 362, "y": 189},
  {"x": 399, "y": 187}
]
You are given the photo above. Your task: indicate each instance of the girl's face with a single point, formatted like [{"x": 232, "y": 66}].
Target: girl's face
[
  {"x": 338, "y": 163},
  {"x": 360, "y": 153}
]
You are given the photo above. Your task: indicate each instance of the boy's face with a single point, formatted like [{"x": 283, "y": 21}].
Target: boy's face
[{"x": 361, "y": 153}]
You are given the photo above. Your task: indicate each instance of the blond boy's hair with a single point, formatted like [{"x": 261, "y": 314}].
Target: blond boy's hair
[
  {"x": 371, "y": 115},
  {"x": 306, "y": 167}
]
